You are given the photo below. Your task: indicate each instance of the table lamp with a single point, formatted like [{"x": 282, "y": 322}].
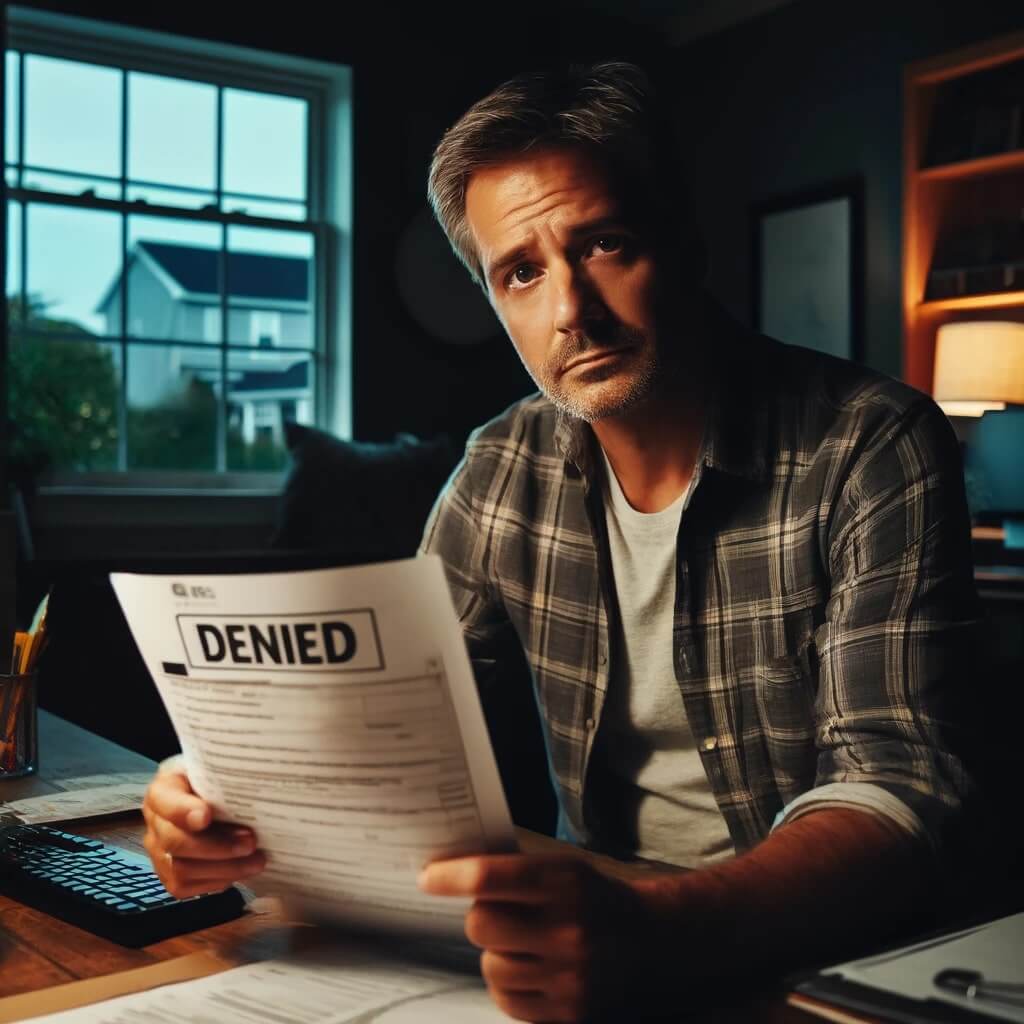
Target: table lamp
[
  {"x": 979, "y": 369},
  {"x": 979, "y": 366}
]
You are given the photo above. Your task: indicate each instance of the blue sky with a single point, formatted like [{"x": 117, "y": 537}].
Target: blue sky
[{"x": 73, "y": 118}]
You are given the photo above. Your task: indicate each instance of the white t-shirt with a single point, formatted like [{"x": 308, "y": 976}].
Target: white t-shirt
[{"x": 654, "y": 790}]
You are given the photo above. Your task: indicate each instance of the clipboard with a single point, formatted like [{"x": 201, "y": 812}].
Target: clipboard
[{"x": 899, "y": 986}]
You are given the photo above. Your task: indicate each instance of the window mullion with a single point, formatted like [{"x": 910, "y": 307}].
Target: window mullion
[
  {"x": 218, "y": 176},
  {"x": 23, "y": 226},
  {"x": 222, "y": 405},
  {"x": 122, "y": 416},
  {"x": 323, "y": 357},
  {"x": 21, "y": 121},
  {"x": 156, "y": 210},
  {"x": 23, "y": 258}
]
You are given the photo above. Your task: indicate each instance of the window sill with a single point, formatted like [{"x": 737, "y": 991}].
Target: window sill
[
  {"x": 69, "y": 521},
  {"x": 152, "y": 491},
  {"x": 166, "y": 484}
]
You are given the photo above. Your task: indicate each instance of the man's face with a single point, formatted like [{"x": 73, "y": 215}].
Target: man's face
[{"x": 571, "y": 280}]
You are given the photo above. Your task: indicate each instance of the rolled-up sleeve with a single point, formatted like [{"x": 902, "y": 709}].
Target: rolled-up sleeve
[{"x": 899, "y": 634}]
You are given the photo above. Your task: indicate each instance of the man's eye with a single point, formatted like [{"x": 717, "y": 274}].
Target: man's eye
[
  {"x": 607, "y": 243},
  {"x": 523, "y": 274}
]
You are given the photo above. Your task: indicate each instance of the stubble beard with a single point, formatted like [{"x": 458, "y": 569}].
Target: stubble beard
[{"x": 597, "y": 393}]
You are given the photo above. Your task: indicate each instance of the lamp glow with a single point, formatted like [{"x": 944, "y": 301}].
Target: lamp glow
[{"x": 979, "y": 366}]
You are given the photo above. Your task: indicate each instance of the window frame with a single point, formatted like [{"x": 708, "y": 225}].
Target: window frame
[{"x": 327, "y": 90}]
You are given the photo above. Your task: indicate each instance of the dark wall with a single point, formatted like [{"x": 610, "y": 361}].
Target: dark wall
[{"x": 809, "y": 94}]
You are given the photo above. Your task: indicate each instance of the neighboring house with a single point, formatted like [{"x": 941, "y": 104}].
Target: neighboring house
[{"x": 174, "y": 295}]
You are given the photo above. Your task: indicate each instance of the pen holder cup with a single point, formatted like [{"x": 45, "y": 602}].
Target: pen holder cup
[{"x": 19, "y": 726}]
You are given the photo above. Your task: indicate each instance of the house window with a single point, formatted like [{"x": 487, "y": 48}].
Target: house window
[
  {"x": 265, "y": 328},
  {"x": 169, "y": 225}
]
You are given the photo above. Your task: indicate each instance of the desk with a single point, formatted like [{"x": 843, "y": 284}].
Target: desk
[{"x": 37, "y": 951}]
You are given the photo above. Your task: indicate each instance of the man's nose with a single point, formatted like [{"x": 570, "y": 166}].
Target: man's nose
[{"x": 577, "y": 302}]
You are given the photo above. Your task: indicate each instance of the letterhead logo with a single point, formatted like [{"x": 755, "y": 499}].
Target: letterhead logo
[{"x": 196, "y": 590}]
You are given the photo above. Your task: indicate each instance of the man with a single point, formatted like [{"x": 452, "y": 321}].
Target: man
[{"x": 740, "y": 573}]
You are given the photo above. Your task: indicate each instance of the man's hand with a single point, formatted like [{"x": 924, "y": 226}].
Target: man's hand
[
  {"x": 190, "y": 853},
  {"x": 560, "y": 940}
]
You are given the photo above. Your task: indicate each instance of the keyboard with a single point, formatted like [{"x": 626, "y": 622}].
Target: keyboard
[{"x": 103, "y": 889}]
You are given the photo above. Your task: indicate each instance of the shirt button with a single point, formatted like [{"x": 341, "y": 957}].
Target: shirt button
[
  {"x": 590, "y": 724},
  {"x": 710, "y": 743},
  {"x": 602, "y": 657}
]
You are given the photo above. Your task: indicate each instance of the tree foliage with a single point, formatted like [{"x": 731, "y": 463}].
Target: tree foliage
[
  {"x": 63, "y": 398},
  {"x": 179, "y": 433},
  {"x": 62, "y": 392}
]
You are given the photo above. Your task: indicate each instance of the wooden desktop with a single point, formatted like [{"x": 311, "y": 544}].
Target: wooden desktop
[{"x": 38, "y": 951}]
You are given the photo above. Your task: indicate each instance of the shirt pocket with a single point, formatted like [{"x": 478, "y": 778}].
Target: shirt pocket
[{"x": 785, "y": 695}]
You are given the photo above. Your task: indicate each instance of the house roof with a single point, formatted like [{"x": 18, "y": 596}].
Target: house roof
[
  {"x": 249, "y": 274},
  {"x": 295, "y": 377}
]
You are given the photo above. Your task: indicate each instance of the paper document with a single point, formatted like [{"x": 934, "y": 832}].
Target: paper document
[
  {"x": 339, "y": 987},
  {"x": 335, "y": 712},
  {"x": 83, "y": 797}
]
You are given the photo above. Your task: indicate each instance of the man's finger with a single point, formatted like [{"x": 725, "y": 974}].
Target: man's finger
[
  {"x": 517, "y": 929},
  {"x": 510, "y": 877},
  {"x": 170, "y": 796},
  {"x": 515, "y": 972},
  {"x": 537, "y": 978},
  {"x": 191, "y": 873},
  {"x": 222, "y": 842},
  {"x": 512, "y": 928}
]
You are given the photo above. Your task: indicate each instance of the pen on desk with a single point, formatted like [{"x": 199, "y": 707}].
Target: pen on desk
[{"x": 973, "y": 985}]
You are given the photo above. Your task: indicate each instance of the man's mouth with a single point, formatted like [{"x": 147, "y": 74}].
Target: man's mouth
[{"x": 594, "y": 357}]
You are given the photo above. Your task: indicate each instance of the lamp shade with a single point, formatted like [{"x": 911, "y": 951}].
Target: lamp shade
[{"x": 979, "y": 365}]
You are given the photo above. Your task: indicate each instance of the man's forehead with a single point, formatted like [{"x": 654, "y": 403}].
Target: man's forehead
[{"x": 503, "y": 199}]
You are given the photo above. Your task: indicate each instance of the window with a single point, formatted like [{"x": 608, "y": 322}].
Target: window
[
  {"x": 173, "y": 208},
  {"x": 265, "y": 328}
]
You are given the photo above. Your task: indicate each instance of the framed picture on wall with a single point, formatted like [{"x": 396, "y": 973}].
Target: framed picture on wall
[{"x": 808, "y": 268}]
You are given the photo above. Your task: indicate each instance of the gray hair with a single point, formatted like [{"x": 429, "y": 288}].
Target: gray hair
[{"x": 608, "y": 109}]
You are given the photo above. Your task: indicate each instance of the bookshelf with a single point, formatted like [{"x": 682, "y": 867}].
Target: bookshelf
[{"x": 944, "y": 198}]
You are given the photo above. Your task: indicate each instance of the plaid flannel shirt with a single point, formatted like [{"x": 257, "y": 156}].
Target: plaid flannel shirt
[{"x": 824, "y": 600}]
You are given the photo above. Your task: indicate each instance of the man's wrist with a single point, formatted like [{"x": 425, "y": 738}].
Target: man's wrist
[
  {"x": 685, "y": 914},
  {"x": 778, "y": 904}
]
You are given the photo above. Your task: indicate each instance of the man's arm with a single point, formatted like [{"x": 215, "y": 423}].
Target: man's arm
[
  {"x": 563, "y": 942},
  {"x": 898, "y": 696}
]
